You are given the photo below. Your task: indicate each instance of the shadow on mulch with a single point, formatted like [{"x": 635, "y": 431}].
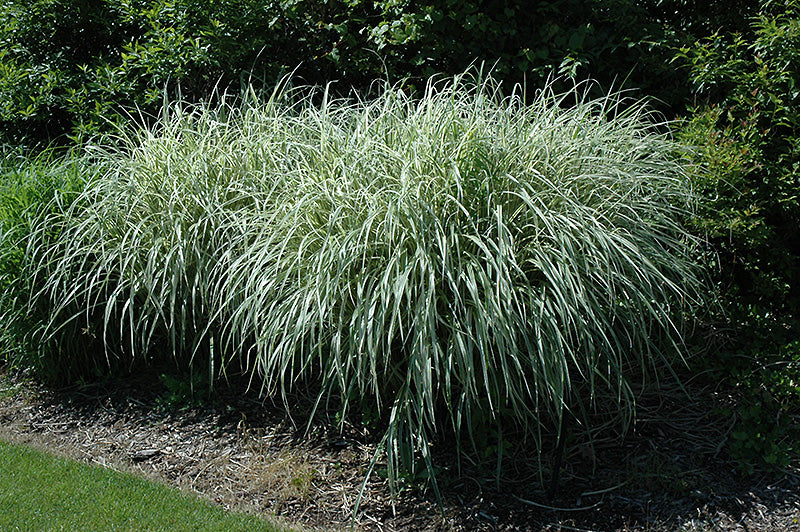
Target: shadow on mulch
[{"x": 669, "y": 473}]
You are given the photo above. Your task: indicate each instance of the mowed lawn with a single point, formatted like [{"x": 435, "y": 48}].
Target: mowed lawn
[{"x": 43, "y": 492}]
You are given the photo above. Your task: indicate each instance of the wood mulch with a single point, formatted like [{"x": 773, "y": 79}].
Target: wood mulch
[{"x": 245, "y": 453}]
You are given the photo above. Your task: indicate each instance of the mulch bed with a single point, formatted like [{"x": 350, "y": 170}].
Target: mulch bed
[{"x": 246, "y": 453}]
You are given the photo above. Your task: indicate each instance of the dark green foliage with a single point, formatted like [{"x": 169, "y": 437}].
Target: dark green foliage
[
  {"x": 746, "y": 135},
  {"x": 70, "y": 67},
  {"x": 183, "y": 391},
  {"x": 761, "y": 374},
  {"x": 73, "y": 67},
  {"x": 54, "y": 55},
  {"x": 612, "y": 41}
]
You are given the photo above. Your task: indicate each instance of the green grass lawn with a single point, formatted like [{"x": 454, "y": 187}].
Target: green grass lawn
[{"x": 42, "y": 492}]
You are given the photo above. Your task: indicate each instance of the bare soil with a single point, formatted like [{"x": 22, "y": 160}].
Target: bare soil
[{"x": 246, "y": 453}]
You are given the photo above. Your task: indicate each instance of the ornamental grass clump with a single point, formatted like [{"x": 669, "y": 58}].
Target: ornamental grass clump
[{"x": 449, "y": 262}]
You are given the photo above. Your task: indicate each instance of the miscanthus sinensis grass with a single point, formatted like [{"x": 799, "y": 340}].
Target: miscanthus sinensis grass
[{"x": 456, "y": 259}]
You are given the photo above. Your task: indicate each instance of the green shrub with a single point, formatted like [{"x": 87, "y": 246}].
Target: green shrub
[
  {"x": 746, "y": 135},
  {"x": 760, "y": 374},
  {"x": 73, "y": 68},
  {"x": 613, "y": 41},
  {"x": 53, "y": 54},
  {"x": 462, "y": 257},
  {"x": 69, "y": 68}
]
